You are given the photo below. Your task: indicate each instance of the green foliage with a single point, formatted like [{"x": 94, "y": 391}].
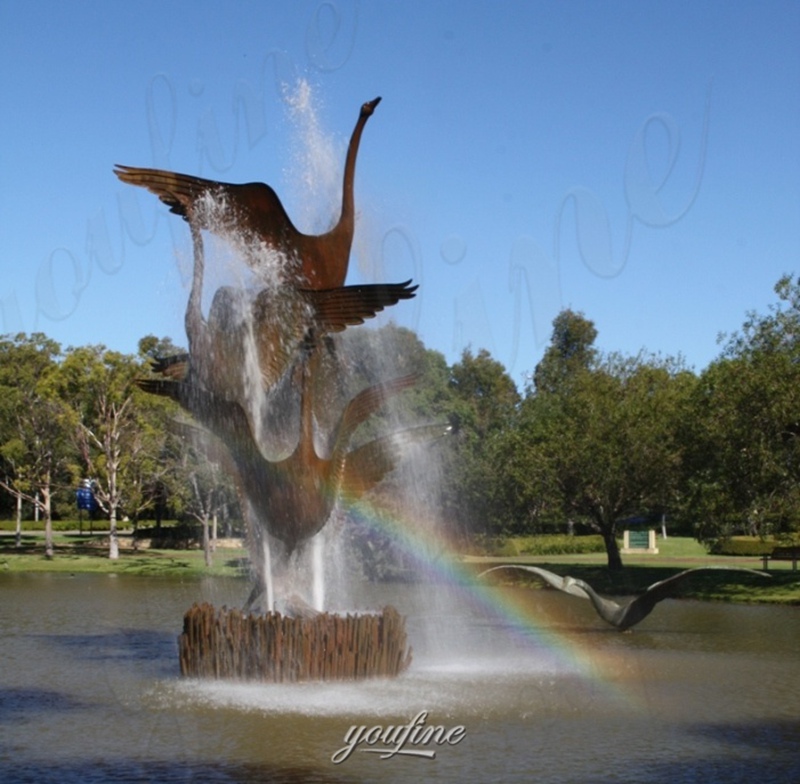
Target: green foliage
[
  {"x": 742, "y": 545},
  {"x": 542, "y": 545},
  {"x": 36, "y": 423},
  {"x": 599, "y": 447},
  {"x": 561, "y": 545},
  {"x": 571, "y": 351},
  {"x": 151, "y": 347},
  {"x": 487, "y": 396},
  {"x": 484, "y": 404},
  {"x": 743, "y": 469}
]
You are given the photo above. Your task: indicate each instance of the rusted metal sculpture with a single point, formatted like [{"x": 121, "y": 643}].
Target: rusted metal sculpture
[
  {"x": 293, "y": 498},
  {"x": 278, "y": 321},
  {"x": 252, "y": 342},
  {"x": 275, "y": 323},
  {"x": 254, "y": 211}
]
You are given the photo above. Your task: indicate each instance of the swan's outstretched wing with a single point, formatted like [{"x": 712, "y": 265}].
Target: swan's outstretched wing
[
  {"x": 283, "y": 321},
  {"x": 226, "y": 419},
  {"x": 365, "y": 466},
  {"x": 335, "y": 309},
  {"x": 216, "y": 206},
  {"x": 282, "y": 317},
  {"x": 566, "y": 584},
  {"x": 664, "y": 589},
  {"x": 622, "y": 616},
  {"x": 366, "y": 403},
  {"x": 160, "y": 386},
  {"x": 640, "y": 607},
  {"x": 174, "y": 366},
  {"x": 254, "y": 212}
]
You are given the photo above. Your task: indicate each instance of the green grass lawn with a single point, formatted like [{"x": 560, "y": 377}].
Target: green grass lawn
[
  {"x": 74, "y": 554},
  {"x": 675, "y": 554},
  {"x": 681, "y": 547}
]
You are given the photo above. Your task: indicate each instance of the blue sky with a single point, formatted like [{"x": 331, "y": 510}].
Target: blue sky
[{"x": 639, "y": 162}]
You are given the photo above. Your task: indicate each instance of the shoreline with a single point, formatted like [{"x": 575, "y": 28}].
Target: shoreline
[{"x": 88, "y": 555}]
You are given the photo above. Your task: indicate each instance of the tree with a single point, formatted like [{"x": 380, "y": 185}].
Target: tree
[
  {"x": 34, "y": 444},
  {"x": 571, "y": 350},
  {"x": 777, "y": 332},
  {"x": 526, "y": 496},
  {"x": 603, "y": 441},
  {"x": 744, "y": 468},
  {"x": 202, "y": 489},
  {"x": 485, "y": 403},
  {"x": 369, "y": 356},
  {"x": 108, "y": 431},
  {"x": 489, "y": 395},
  {"x": 421, "y": 484},
  {"x": 152, "y": 348}
]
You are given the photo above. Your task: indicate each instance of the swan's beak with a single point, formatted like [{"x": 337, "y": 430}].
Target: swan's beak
[{"x": 368, "y": 108}]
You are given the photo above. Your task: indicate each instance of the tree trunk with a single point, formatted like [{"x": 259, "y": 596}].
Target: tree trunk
[
  {"x": 159, "y": 506},
  {"x": 48, "y": 522},
  {"x": 206, "y": 541},
  {"x": 612, "y": 548},
  {"x": 113, "y": 541},
  {"x": 18, "y": 531}
]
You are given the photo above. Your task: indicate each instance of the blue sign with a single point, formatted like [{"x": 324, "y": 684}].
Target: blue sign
[{"x": 86, "y": 500}]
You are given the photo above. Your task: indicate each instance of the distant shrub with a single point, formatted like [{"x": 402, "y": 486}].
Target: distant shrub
[
  {"x": 743, "y": 546},
  {"x": 58, "y": 525},
  {"x": 562, "y": 544},
  {"x": 543, "y": 544},
  {"x": 506, "y": 547},
  {"x": 182, "y": 536}
]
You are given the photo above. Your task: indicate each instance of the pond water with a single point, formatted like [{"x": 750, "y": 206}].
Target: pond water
[{"x": 544, "y": 691}]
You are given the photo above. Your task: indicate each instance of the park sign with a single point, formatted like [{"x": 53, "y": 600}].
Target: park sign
[
  {"x": 85, "y": 498},
  {"x": 639, "y": 541}
]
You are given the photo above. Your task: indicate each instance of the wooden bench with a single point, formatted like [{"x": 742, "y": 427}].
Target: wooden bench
[{"x": 783, "y": 554}]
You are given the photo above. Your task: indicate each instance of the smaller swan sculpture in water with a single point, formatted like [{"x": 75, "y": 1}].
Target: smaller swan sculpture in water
[
  {"x": 622, "y": 616},
  {"x": 255, "y": 211}
]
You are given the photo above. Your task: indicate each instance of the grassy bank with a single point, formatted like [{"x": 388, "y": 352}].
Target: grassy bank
[
  {"x": 78, "y": 554},
  {"x": 675, "y": 554}
]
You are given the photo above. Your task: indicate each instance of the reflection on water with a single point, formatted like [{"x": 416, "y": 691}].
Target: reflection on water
[{"x": 89, "y": 691}]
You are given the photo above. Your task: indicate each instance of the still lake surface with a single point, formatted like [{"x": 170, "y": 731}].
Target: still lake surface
[{"x": 699, "y": 692}]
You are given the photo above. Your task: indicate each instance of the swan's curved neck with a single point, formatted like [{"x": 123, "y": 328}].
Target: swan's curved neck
[
  {"x": 347, "y": 216},
  {"x": 194, "y": 312},
  {"x": 306, "y": 445},
  {"x": 606, "y": 609}
]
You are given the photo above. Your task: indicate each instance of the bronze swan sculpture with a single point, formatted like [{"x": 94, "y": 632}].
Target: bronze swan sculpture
[{"x": 254, "y": 210}]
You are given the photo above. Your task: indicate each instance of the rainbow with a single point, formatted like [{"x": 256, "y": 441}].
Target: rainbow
[{"x": 435, "y": 556}]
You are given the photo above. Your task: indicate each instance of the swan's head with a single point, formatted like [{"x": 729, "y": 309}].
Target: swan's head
[{"x": 368, "y": 108}]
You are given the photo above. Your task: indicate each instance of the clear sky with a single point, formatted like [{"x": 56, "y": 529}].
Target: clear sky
[{"x": 637, "y": 161}]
